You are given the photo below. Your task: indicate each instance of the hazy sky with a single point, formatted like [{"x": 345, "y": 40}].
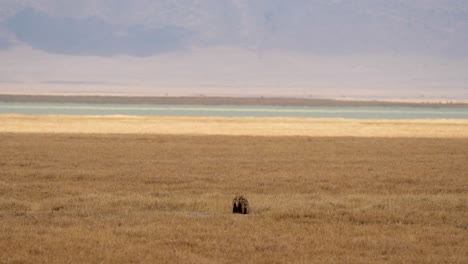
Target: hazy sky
[{"x": 331, "y": 48}]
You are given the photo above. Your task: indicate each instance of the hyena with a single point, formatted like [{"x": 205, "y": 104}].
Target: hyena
[{"x": 240, "y": 205}]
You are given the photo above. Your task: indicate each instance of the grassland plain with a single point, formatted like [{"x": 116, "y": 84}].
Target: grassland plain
[
  {"x": 92, "y": 198},
  {"x": 333, "y": 127}
]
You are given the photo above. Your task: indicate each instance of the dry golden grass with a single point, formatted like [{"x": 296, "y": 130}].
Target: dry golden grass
[
  {"x": 160, "y": 198},
  {"x": 233, "y": 126}
]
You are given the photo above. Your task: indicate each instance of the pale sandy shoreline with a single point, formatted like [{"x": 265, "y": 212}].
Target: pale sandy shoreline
[{"x": 436, "y": 128}]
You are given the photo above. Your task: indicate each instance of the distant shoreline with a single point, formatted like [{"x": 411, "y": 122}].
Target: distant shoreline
[{"x": 209, "y": 100}]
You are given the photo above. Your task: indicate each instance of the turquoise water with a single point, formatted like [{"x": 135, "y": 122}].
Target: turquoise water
[{"x": 359, "y": 112}]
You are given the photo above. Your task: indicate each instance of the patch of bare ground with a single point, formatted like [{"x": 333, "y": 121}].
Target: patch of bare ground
[{"x": 149, "y": 198}]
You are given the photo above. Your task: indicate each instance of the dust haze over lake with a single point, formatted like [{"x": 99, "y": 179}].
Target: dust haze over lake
[{"x": 393, "y": 49}]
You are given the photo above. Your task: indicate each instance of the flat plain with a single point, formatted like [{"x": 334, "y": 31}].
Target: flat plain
[
  {"x": 250, "y": 126},
  {"x": 136, "y": 198}
]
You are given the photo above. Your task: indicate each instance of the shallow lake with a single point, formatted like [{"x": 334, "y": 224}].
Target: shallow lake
[{"x": 359, "y": 112}]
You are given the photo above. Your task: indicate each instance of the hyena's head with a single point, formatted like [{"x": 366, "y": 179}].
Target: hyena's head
[{"x": 237, "y": 204}]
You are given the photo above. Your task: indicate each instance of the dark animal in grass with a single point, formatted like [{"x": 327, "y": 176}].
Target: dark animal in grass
[{"x": 240, "y": 205}]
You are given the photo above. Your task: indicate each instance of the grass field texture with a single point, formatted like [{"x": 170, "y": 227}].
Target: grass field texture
[{"x": 140, "y": 198}]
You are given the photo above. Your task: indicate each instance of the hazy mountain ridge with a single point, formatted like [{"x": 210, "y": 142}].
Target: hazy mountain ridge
[
  {"x": 323, "y": 27},
  {"x": 91, "y": 36},
  {"x": 305, "y": 48}
]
